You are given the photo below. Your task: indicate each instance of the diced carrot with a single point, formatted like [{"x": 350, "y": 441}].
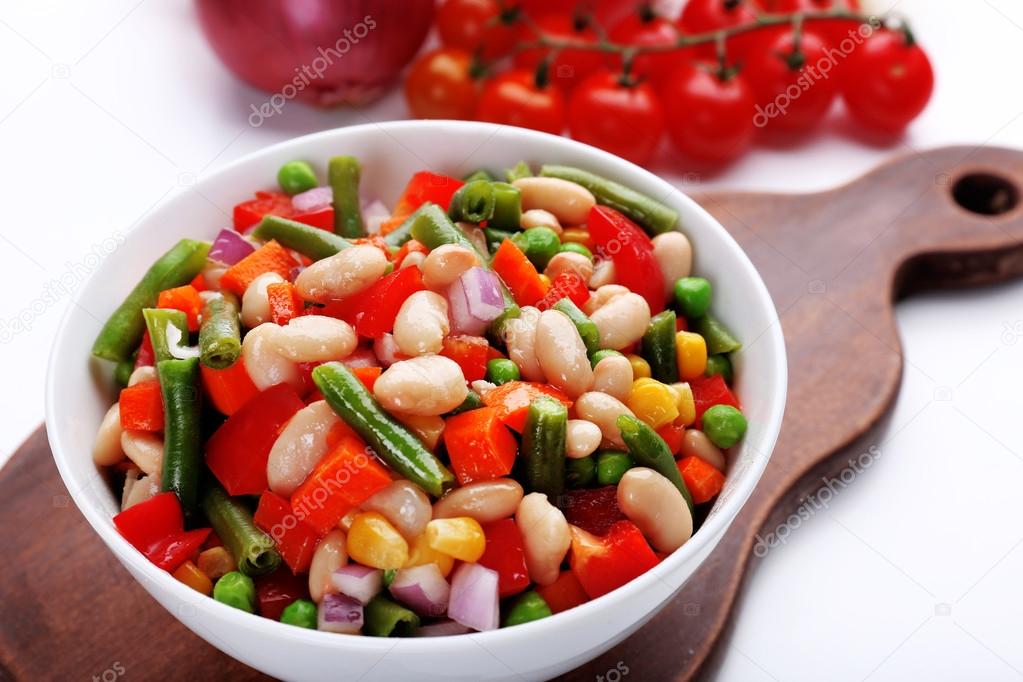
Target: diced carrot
[
  {"x": 511, "y": 400},
  {"x": 229, "y": 388},
  {"x": 186, "y": 299},
  {"x": 479, "y": 445},
  {"x": 702, "y": 479},
  {"x": 393, "y": 223},
  {"x": 368, "y": 375},
  {"x": 285, "y": 303},
  {"x": 199, "y": 282},
  {"x": 189, "y": 574},
  {"x": 518, "y": 273},
  {"x": 141, "y": 407},
  {"x": 339, "y": 431},
  {"x": 271, "y": 257},
  {"x": 564, "y": 593}
]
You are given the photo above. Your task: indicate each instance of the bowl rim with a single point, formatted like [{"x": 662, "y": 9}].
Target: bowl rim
[{"x": 704, "y": 539}]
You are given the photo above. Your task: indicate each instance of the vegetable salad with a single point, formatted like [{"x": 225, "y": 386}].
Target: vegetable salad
[{"x": 497, "y": 401}]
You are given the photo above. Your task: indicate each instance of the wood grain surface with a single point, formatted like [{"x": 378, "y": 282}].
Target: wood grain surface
[{"x": 834, "y": 262}]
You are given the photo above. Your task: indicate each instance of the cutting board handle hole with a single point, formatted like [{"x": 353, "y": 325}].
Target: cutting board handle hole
[{"x": 985, "y": 193}]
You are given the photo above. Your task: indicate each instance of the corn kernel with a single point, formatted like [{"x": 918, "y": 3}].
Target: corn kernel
[
  {"x": 460, "y": 537},
  {"x": 640, "y": 367},
  {"x": 374, "y": 542},
  {"x": 574, "y": 234},
  {"x": 189, "y": 574},
  {"x": 546, "y": 281},
  {"x": 692, "y": 354},
  {"x": 421, "y": 553},
  {"x": 686, "y": 403},
  {"x": 652, "y": 402},
  {"x": 215, "y": 562}
]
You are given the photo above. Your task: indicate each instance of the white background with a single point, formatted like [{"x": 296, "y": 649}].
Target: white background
[{"x": 106, "y": 107}]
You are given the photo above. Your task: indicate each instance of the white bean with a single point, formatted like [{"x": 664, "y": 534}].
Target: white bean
[
  {"x": 602, "y": 296},
  {"x": 212, "y": 273},
  {"x": 386, "y": 350},
  {"x": 656, "y": 506},
  {"x": 329, "y": 556},
  {"x": 569, "y": 261},
  {"x": 299, "y": 447},
  {"x": 483, "y": 387},
  {"x": 545, "y": 537},
  {"x": 537, "y": 217},
  {"x": 404, "y": 505},
  {"x": 613, "y": 375},
  {"x": 142, "y": 373},
  {"x": 561, "y": 353},
  {"x": 413, "y": 260},
  {"x": 568, "y": 202},
  {"x": 313, "y": 338},
  {"x": 255, "y": 302},
  {"x": 421, "y": 324},
  {"x": 143, "y": 448},
  {"x": 445, "y": 264},
  {"x": 603, "y": 274},
  {"x": 342, "y": 275},
  {"x": 106, "y": 451},
  {"x": 141, "y": 490},
  {"x": 265, "y": 366},
  {"x": 427, "y": 385},
  {"x": 603, "y": 410},
  {"x": 622, "y": 321},
  {"x": 520, "y": 338},
  {"x": 582, "y": 438},
  {"x": 674, "y": 254},
  {"x": 695, "y": 443},
  {"x": 485, "y": 501}
]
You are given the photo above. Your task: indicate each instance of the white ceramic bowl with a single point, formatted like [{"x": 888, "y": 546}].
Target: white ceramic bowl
[{"x": 79, "y": 390}]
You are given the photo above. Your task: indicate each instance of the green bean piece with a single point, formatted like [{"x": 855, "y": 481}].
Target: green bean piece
[
  {"x": 501, "y": 371},
  {"x": 724, "y": 425},
  {"x": 658, "y": 347},
  {"x": 296, "y": 177},
  {"x": 581, "y": 472},
  {"x": 123, "y": 330},
  {"x": 389, "y": 438},
  {"x": 389, "y": 575},
  {"x": 651, "y": 214},
  {"x": 543, "y": 446},
  {"x": 478, "y": 174},
  {"x": 182, "y": 438},
  {"x": 385, "y": 618},
  {"x": 584, "y": 325},
  {"x": 575, "y": 247},
  {"x": 539, "y": 244},
  {"x": 519, "y": 170},
  {"x": 595, "y": 358},
  {"x": 343, "y": 177},
  {"x": 495, "y": 237},
  {"x": 252, "y": 549},
  {"x": 300, "y": 613},
  {"x": 528, "y": 606},
  {"x": 649, "y": 450},
  {"x": 309, "y": 241},
  {"x": 719, "y": 339},
  {"x": 402, "y": 233},
  {"x": 693, "y": 295},
  {"x": 220, "y": 341},
  {"x": 507, "y": 207},
  {"x": 719, "y": 364},
  {"x": 237, "y": 590},
  {"x": 473, "y": 202},
  {"x": 167, "y": 328},
  {"x": 123, "y": 370},
  {"x": 612, "y": 465},
  {"x": 472, "y": 401}
]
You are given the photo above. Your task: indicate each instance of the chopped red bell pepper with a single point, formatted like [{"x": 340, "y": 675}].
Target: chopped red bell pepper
[
  {"x": 146, "y": 357},
  {"x": 624, "y": 242},
  {"x": 711, "y": 391},
  {"x": 199, "y": 282},
  {"x": 141, "y": 406},
  {"x": 593, "y": 509},
  {"x": 368, "y": 376},
  {"x": 606, "y": 563},
  {"x": 323, "y": 218},
  {"x": 566, "y": 285},
  {"x": 411, "y": 246},
  {"x": 186, "y": 299},
  {"x": 156, "y": 528},
  {"x": 518, "y": 274},
  {"x": 237, "y": 452},
  {"x": 479, "y": 445},
  {"x": 229, "y": 389},
  {"x": 285, "y": 303},
  {"x": 564, "y": 593},
  {"x": 248, "y": 213},
  {"x": 422, "y": 187},
  {"x": 295, "y": 540},
  {"x": 277, "y": 591},
  {"x": 505, "y": 555},
  {"x": 511, "y": 400},
  {"x": 470, "y": 352},
  {"x": 345, "y": 478},
  {"x": 373, "y": 311},
  {"x": 672, "y": 434},
  {"x": 702, "y": 479}
]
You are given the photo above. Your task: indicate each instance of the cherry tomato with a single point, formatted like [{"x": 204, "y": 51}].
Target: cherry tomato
[
  {"x": 569, "y": 67},
  {"x": 646, "y": 28},
  {"x": 702, "y": 16},
  {"x": 606, "y": 12},
  {"x": 472, "y": 24},
  {"x": 624, "y": 119},
  {"x": 889, "y": 81},
  {"x": 709, "y": 118},
  {"x": 438, "y": 85},
  {"x": 790, "y": 97},
  {"x": 513, "y": 98},
  {"x": 833, "y": 31}
]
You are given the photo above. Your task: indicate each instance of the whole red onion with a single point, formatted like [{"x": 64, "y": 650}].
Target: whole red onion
[{"x": 325, "y": 52}]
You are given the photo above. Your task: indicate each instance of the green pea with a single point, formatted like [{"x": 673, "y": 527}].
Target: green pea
[
  {"x": 575, "y": 247},
  {"x": 501, "y": 371},
  {"x": 580, "y": 473},
  {"x": 237, "y": 590},
  {"x": 540, "y": 244},
  {"x": 296, "y": 177},
  {"x": 724, "y": 425},
  {"x": 719, "y": 364},
  {"x": 601, "y": 354},
  {"x": 692, "y": 294},
  {"x": 527, "y": 607},
  {"x": 301, "y": 613},
  {"x": 611, "y": 466}
]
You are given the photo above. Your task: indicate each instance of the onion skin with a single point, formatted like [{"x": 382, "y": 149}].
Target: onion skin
[{"x": 323, "y": 52}]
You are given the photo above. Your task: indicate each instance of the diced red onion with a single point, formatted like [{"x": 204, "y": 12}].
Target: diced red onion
[
  {"x": 358, "y": 581},
  {"x": 474, "y": 600},
  {"x": 313, "y": 199},
  {"x": 361, "y": 357},
  {"x": 230, "y": 247},
  {"x": 339, "y": 613},
  {"x": 423, "y": 589},
  {"x": 474, "y": 301},
  {"x": 373, "y": 214},
  {"x": 442, "y": 629},
  {"x": 386, "y": 350}
]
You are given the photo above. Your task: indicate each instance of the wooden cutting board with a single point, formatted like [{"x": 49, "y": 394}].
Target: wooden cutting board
[{"x": 835, "y": 262}]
